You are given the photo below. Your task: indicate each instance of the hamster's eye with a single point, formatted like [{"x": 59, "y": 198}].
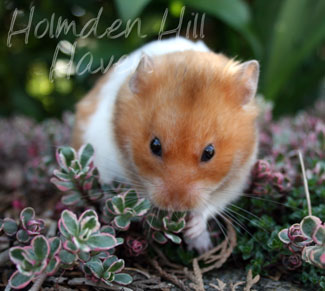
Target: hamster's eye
[
  {"x": 208, "y": 153},
  {"x": 155, "y": 147}
]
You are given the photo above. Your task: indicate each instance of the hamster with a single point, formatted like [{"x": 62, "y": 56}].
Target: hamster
[{"x": 178, "y": 123}]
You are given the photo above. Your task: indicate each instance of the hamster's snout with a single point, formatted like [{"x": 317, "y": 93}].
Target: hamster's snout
[{"x": 183, "y": 196}]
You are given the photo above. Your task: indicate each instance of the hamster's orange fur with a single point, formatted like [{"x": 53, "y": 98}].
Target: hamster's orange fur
[{"x": 189, "y": 100}]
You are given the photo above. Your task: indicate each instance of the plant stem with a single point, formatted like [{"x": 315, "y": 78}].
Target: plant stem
[
  {"x": 4, "y": 257},
  {"x": 38, "y": 283},
  {"x": 305, "y": 183}
]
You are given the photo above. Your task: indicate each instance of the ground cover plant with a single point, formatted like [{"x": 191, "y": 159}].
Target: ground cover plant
[{"x": 60, "y": 225}]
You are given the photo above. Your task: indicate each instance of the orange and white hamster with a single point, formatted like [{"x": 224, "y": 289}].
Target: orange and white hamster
[{"x": 178, "y": 122}]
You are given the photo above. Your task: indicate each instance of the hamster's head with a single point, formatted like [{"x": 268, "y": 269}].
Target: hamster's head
[{"x": 186, "y": 126}]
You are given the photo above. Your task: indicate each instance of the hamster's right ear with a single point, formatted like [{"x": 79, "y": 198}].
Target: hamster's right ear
[{"x": 144, "y": 68}]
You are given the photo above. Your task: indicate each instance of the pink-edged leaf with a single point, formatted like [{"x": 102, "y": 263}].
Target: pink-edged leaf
[
  {"x": 52, "y": 266},
  {"x": 319, "y": 235},
  {"x": 25, "y": 215},
  {"x": 101, "y": 242},
  {"x": 123, "y": 279},
  {"x": 19, "y": 281},
  {"x": 283, "y": 236},
  {"x": 117, "y": 266},
  {"x": 55, "y": 245},
  {"x": 41, "y": 247},
  {"x": 63, "y": 230},
  {"x": 159, "y": 237},
  {"x": 71, "y": 199},
  {"x": 85, "y": 155},
  {"x": 309, "y": 224},
  {"x": 62, "y": 185},
  {"x": 70, "y": 222},
  {"x": 16, "y": 255},
  {"x": 10, "y": 226},
  {"x": 122, "y": 222},
  {"x": 61, "y": 176},
  {"x": 70, "y": 246}
]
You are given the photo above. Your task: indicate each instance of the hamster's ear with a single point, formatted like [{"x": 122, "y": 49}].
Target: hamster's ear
[
  {"x": 144, "y": 68},
  {"x": 248, "y": 79}
]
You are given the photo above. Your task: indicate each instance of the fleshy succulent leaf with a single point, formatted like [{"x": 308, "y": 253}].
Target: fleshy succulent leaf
[
  {"x": 70, "y": 222},
  {"x": 174, "y": 238},
  {"x": 102, "y": 241},
  {"x": 159, "y": 237},
  {"x": 123, "y": 279},
  {"x": 85, "y": 154},
  {"x": 309, "y": 225},
  {"x": 25, "y": 215},
  {"x": 122, "y": 222},
  {"x": 283, "y": 236},
  {"x": 52, "y": 266},
  {"x": 71, "y": 198},
  {"x": 66, "y": 257},
  {"x": 118, "y": 204},
  {"x": 319, "y": 235},
  {"x": 55, "y": 246},
  {"x": 10, "y": 226},
  {"x": 117, "y": 266},
  {"x": 96, "y": 268},
  {"x": 22, "y": 236},
  {"x": 131, "y": 199},
  {"x": 19, "y": 281},
  {"x": 41, "y": 247}
]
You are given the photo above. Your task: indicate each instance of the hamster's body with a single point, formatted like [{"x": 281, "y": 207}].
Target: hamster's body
[{"x": 196, "y": 106}]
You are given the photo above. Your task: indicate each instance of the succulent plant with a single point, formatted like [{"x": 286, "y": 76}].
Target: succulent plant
[
  {"x": 136, "y": 246},
  {"x": 30, "y": 226},
  {"x": 107, "y": 271},
  {"x": 41, "y": 257},
  {"x": 313, "y": 228},
  {"x": 77, "y": 174},
  {"x": 122, "y": 208},
  {"x": 166, "y": 226},
  {"x": 306, "y": 239},
  {"x": 83, "y": 235}
]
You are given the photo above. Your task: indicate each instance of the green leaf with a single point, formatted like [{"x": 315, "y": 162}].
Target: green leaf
[
  {"x": 85, "y": 153},
  {"x": 101, "y": 242},
  {"x": 69, "y": 154},
  {"x": 117, "y": 266},
  {"x": 19, "y": 281},
  {"x": 52, "y": 266},
  {"x": 283, "y": 236},
  {"x": 26, "y": 215},
  {"x": 55, "y": 245},
  {"x": 122, "y": 221},
  {"x": 130, "y": 199},
  {"x": 130, "y": 9},
  {"x": 23, "y": 236},
  {"x": 96, "y": 267},
  {"x": 17, "y": 255},
  {"x": 123, "y": 279},
  {"x": 109, "y": 261},
  {"x": 118, "y": 204},
  {"x": 159, "y": 237},
  {"x": 319, "y": 235},
  {"x": 70, "y": 222},
  {"x": 41, "y": 247},
  {"x": 108, "y": 229},
  {"x": 309, "y": 224},
  {"x": 294, "y": 38},
  {"x": 143, "y": 207},
  {"x": 84, "y": 256},
  {"x": 67, "y": 257},
  {"x": 154, "y": 222},
  {"x": 174, "y": 238},
  {"x": 88, "y": 226},
  {"x": 71, "y": 199},
  {"x": 10, "y": 226}
]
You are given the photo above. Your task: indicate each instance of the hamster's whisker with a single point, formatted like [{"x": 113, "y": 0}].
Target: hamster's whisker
[
  {"x": 229, "y": 210},
  {"x": 244, "y": 210}
]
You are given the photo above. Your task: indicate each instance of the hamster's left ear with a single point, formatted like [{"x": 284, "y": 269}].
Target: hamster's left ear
[
  {"x": 247, "y": 75},
  {"x": 138, "y": 78}
]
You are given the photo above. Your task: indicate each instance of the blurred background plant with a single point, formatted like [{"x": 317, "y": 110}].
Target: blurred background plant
[{"x": 287, "y": 37}]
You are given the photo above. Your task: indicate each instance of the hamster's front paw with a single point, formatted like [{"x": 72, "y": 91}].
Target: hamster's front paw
[
  {"x": 201, "y": 243},
  {"x": 196, "y": 234}
]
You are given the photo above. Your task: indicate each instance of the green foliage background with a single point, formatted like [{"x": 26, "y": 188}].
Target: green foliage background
[{"x": 286, "y": 36}]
